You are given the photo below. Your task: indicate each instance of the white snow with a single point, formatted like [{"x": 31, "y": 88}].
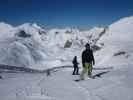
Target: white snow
[
  {"x": 117, "y": 39},
  {"x": 5, "y": 30},
  {"x": 38, "y": 48},
  {"x": 60, "y": 85}
]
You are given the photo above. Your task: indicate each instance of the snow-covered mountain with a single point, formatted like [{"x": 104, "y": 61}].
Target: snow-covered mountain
[
  {"x": 30, "y": 45},
  {"x": 22, "y": 46},
  {"x": 117, "y": 44}
]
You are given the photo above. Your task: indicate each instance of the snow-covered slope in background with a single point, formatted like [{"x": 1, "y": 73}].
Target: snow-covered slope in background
[
  {"x": 24, "y": 48},
  {"x": 117, "y": 44},
  {"x": 95, "y": 34},
  {"x": 29, "y": 45}
]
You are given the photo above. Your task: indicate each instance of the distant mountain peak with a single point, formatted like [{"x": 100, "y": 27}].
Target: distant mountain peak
[{"x": 6, "y": 25}]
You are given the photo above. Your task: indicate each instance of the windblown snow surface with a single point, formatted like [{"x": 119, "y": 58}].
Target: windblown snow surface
[{"x": 29, "y": 45}]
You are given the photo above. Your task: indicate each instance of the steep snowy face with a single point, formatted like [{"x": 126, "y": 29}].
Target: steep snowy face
[
  {"x": 23, "y": 47},
  {"x": 66, "y": 38},
  {"x": 93, "y": 35},
  {"x": 117, "y": 43},
  {"x": 31, "y": 28},
  {"x": 28, "y": 29},
  {"x": 120, "y": 31}
]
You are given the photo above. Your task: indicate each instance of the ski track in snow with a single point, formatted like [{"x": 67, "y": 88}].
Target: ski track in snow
[
  {"x": 40, "y": 87},
  {"x": 71, "y": 90},
  {"x": 60, "y": 85},
  {"x": 21, "y": 87}
]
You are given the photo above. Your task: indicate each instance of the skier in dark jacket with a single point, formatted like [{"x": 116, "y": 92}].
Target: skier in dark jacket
[
  {"x": 87, "y": 61},
  {"x": 75, "y": 66}
]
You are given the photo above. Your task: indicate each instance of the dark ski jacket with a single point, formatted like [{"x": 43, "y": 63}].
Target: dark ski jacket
[
  {"x": 87, "y": 56},
  {"x": 75, "y": 61}
]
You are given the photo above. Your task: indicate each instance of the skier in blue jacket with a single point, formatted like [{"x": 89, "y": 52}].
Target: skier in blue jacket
[{"x": 75, "y": 66}]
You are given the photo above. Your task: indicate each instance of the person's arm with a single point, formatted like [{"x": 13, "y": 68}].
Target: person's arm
[
  {"x": 74, "y": 60},
  {"x": 83, "y": 62},
  {"x": 93, "y": 58}
]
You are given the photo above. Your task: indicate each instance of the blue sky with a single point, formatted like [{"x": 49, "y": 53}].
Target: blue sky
[{"x": 64, "y": 13}]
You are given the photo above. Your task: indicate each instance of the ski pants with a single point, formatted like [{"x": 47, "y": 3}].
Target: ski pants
[
  {"x": 87, "y": 69},
  {"x": 76, "y": 70}
]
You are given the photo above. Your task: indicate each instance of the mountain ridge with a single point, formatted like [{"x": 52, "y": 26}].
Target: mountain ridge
[{"x": 30, "y": 45}]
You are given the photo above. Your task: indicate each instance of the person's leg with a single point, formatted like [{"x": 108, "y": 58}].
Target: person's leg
[
  {"x": 90, "y": 70},
  {"x": 82, "y": 74},
  {"x": 87, "y": 67},
  {"x": 74, "y": 70},
  {"x": 84, "y": 71},
  {"x": 77, "y": 70}
]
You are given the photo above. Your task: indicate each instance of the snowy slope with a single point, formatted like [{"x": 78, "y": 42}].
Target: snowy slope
[
  {"x": 34, "y": 49},
  {"x": 60, "y": 85},
  {"x": 120, "y": 31},
  {"x": 23, "y": 48},
  {"x": 118, "y": 44}
]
